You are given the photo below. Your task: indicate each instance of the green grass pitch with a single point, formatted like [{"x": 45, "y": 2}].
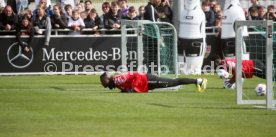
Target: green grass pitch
[{"x": 77, "y": 106}]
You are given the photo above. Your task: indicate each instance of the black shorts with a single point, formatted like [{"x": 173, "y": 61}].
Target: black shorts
[{"x": 191, "y": 47}]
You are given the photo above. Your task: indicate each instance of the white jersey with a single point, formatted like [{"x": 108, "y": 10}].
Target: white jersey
[
  {"x": 192, "y": 23},
  {"x": 79, "y": 22},
  {"x": 230, "y": 15}
]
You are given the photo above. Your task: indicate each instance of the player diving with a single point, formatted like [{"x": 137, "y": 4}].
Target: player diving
[{"x": 136, "y": 82}]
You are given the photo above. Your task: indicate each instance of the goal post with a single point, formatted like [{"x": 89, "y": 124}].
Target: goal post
[
  {"x": 149, "y": 47},
  {"x": 260, "y": 46}
]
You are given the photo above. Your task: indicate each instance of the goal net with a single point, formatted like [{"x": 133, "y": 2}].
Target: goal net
[
  {"x": 149, "y": 47},
  {"x": 260, "y": 46}
]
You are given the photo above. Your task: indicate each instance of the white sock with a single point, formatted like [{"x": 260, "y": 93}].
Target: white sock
[{"x": 199, "y": 80}]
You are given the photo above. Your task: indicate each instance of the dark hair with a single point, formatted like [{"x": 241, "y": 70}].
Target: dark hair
[
  {"x": 103, "y": 75},
  {"x": 88, "y": 1},
  {"x": 106, "y": 4},
  {"x": 215, "y": 57},
  {"x": 67, "y": 6},
  {"x": 59, "y": 7},
  {"x": 92, "y": 11},
  {"x": 131, "y": 9}
]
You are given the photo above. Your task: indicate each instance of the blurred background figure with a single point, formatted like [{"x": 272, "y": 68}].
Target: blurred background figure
[
  {"x": 87, "y": 8},
  {"x": 166, "y": 8},
  {"x": 76, "y": 23},
  {"x": 59, "y": 19},
  {"x": 68, "y": 11},
  {"x": 25, "y": 23},
  {"x": 80, "y": 7},
  {"x": 21, "y": 5},
  {"x": 42, "y": 21},
  {"x": 48, "y": 3},
  {"x": 212, "y": 4},
  {"x": 162, "y": 16},
  {"x": 123, "y": 7},
  {"x": 141, "y": 12},
  {"x": 150, "y": 10},
  {"x": 92, "y": 21},
  {"x": 261, "y": 12},
  {"x": 209, "y": 14},
  {"x": 46, "y": 6},
  {"x": 8, "y": 19},
  {"x": 253, "y": 14},
  {"x": 270, "y": 15},
  {"x": 62, "y": 3},
  {"x": 131, "y": 15},
  {"x": 255, "y": 4},
  {"x": 112, "y": 20}
]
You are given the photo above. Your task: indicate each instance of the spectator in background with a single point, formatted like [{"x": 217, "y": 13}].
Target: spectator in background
[
  {"x": 8, "y": 19},
  {"x": 105, "y": 9},
  {"x": 141, "y": 12},
  {"x": 212, "y": 4},
  {"x": 62, "y": 3},
  {"x": 68, "y": 11},
  {"x": 123, "y": 8},
  {"x": 12, "y": 3},
  {"x": 261, "y": 12},
  {"x": 75, "y": 23},
  {"x": 2, "y": 3},
  {"x": 27, "y": 12},
  {"x": 165, "y": 4},
  {"x": 21, "y": 5},
  {"x": 216, "y": 9},
  {"x": 48, "y": 3},
  {"x": 59, "y": 19},
  {"x": 253, "y": 14},
  {"x": 42, "y": 21},
  {"x": 218, "y": 23},
  {"x": 162, "y": 16},
  {"x": 112, "y": 19},
  {"x": 80, "y": 7},
  {"x": 87, "y": 8},
  {"x": 77, "y": 2},
  {"x": 270, "y": 15},
  {"x": 92, "y": 20},
  {"x": 131, "y": 14},
  {"x": 48, "y": 10},
  {"x": 25, "y": 24},
  {"x": 150, "y": 11},
  {"x": 255, "y": 4},
  {"x": 209, "y": 14}
]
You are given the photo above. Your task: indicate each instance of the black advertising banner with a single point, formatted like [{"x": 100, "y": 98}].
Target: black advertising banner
[
  {"x": 65, "y": 54},
  {"x": 69, "y": 54}
]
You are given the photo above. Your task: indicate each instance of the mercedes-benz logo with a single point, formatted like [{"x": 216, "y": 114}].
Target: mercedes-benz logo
[{"x": 17, "y": 58}]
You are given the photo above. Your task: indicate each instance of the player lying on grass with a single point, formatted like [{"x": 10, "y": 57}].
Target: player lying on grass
[
  {"x": 141, "y": 82},
  {"x": 249, "y": 68}
]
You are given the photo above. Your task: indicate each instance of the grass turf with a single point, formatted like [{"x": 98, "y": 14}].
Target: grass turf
[{"x": 77, "y": 106}]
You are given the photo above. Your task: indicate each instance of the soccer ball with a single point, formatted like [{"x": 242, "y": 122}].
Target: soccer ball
[
  {"x": 260, "y": 90},
  {"x": 222, "y": 74}
]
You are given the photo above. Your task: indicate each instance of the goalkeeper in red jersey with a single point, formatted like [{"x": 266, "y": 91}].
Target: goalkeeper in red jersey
[
  {"x": 249, "y": 68},
  {"x": 141, "y": 82}
]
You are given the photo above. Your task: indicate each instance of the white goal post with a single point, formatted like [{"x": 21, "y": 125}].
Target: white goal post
[{"x": 267, "y": 34}]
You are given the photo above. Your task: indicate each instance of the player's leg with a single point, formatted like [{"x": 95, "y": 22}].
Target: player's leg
[{"x": 160, "y": 82}]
